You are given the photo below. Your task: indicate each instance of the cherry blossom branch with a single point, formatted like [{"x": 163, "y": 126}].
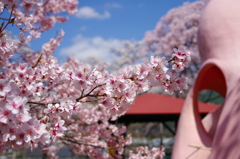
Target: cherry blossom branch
[
  {"x": 43, "y": 102},
  {"x": 78, "y": 99},
  {"x": 10, "y": 21},
  {"x": 95, "y": 99},
  {"x": 38, "y": 61},
  {"x": 4, "y": 18},
  {"x": 38, "y": 103},
  {"x": 89, "y": 93},
  {"x": 81, "y": 143}
]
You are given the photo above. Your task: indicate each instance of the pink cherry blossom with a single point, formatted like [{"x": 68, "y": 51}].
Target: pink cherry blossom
[
  {"x": 4, "y": 87},
  {"x": 71, "y": 104},
  {"x": 1, "y": 7}
]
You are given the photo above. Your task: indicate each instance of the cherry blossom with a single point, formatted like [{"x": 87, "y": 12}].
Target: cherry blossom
[
  {"x": 46, "y": 103},
  {"x": 145, "y": 153},
  {"x": 1, "y": 7},
  {"x": 177, "y": 29}
]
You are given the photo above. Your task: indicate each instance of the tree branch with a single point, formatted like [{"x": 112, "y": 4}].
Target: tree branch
[
  {"x": 10, "y": 20},
  {"x": 38, "y": 61},
  {"x": 200, "y": 147},
  {"x": 4, "y": 18},
  {"x": 89, "y": 93},
  {"x": 81, "y": 143}
]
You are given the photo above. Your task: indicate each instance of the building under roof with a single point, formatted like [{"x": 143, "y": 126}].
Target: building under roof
[{"x": 160, "y": 108}]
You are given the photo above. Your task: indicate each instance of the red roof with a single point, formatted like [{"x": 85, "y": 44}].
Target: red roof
[{"x": 159, "y": 104}]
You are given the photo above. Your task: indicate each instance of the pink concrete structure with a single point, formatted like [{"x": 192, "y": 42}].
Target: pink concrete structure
[{"x": 217, "y": 136}]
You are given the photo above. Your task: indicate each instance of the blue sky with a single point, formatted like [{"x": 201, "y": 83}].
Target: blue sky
[{"x": 101, "y": 25}]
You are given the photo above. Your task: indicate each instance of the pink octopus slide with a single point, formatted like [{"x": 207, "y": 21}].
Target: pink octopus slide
[{"x": 217, "y": 136}]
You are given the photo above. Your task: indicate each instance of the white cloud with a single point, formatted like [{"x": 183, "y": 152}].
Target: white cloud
[
  {"x": 90, "y": 13},
  {"x": 113, "y": 5},
  {"x": 85, "y": 48},
  {"x": 83, "y": 28}
]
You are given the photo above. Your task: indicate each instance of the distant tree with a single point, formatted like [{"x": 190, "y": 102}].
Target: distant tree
[{"x": 177, "y": 29}]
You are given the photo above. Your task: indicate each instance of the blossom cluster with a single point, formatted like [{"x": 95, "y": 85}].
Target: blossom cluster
[
  {"x": 32, "y": 18},
  {"x": 181, "y": 60},
  {"x": 177, "y": 29},
  {"x": 43, "y": 102},
  {"x": 18, "y": 127},
  {"x": 145, "y": 153}
]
